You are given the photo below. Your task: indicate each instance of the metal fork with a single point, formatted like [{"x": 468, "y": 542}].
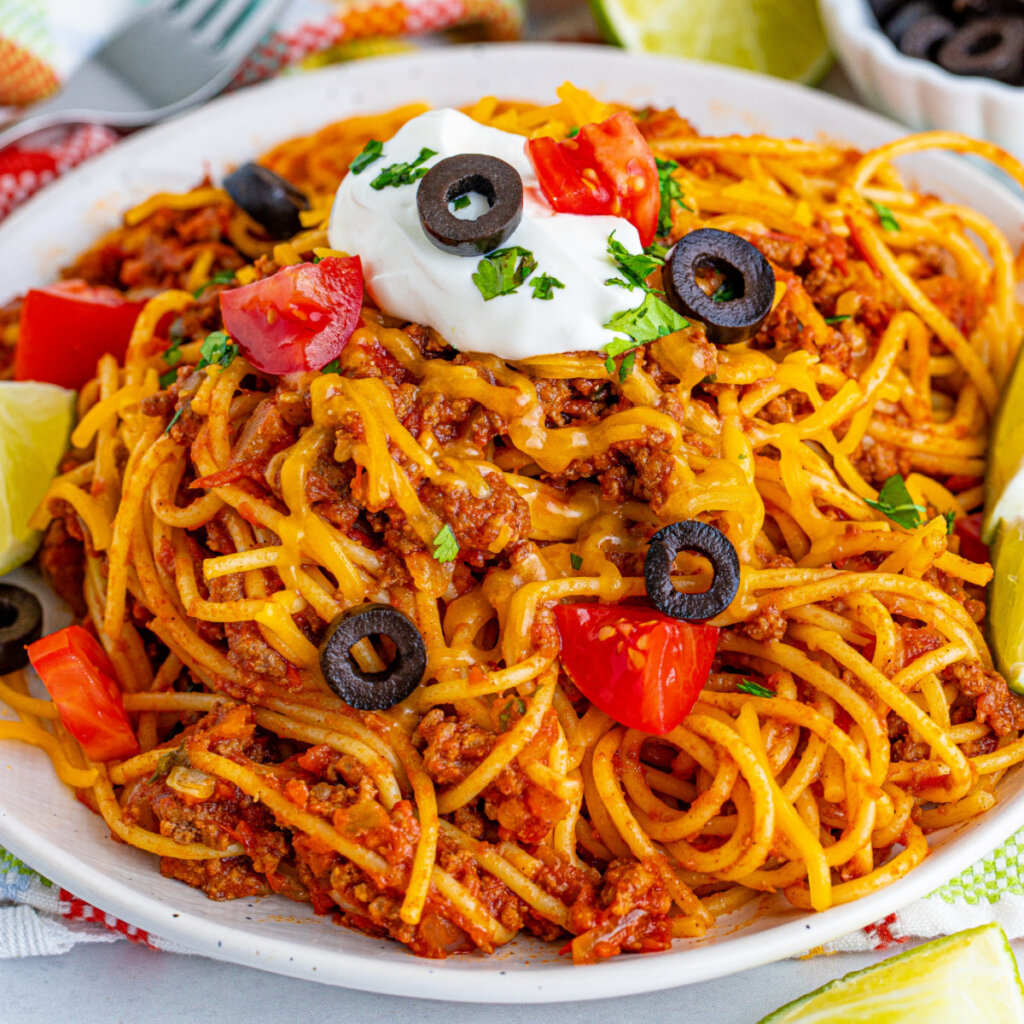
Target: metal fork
[{"x": 172, "y": 56}]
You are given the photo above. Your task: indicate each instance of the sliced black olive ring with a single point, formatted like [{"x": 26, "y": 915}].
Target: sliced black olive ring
[
  {"x": 989, "y": 47},
  {"x": 450, "y": 179},
  {"x": 372, "y": 691},
  {"x": 21, "y": 623},
  {"x": 270, "y": 200},
  {"x": 749, "y": 278},
  {"x": 691, "y": 535}
]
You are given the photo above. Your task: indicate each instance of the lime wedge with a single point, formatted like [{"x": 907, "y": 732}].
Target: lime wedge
[
  {"x": 967, "y": 977},
  {"x": 35, "y": 421},
  {"x": 1004, "y": 477},
  {"x": 1005, "y": 620},
  {"x": 784, "y": 38}
]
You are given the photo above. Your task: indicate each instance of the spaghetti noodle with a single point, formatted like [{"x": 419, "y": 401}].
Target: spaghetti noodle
[{"x": 223, "y": 518}]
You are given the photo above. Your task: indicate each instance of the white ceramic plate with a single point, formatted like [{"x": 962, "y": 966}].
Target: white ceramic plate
[{"x": 42, "y": 824}]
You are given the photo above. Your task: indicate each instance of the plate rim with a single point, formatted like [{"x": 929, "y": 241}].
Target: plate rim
[{"x": 488, "y": 980}]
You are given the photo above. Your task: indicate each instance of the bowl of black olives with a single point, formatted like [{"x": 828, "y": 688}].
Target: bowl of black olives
[{"x": 952, "y": 64}]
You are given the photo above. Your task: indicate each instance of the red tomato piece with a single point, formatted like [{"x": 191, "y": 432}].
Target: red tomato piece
[
  {"x": 297, "y": 319},
  {"x": 607, "y": 168},
  {"x": 64, "y": 329},
  {"x": 972, "y": 547},
  {"x": 643, "y": 668},
  {"x": 80, "y": 679}
]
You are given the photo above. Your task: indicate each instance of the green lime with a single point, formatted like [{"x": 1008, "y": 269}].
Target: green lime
[
  {"x": 35, "y": 421},
  {"x": 1005, "y": 619},
  {"x": 1004, "y": 476},
  {"x": 784, "y": 38},
  {"x": 970, "y": 976}
]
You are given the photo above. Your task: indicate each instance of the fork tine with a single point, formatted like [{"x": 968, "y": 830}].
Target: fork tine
[
  {"x": 216, "y": 22},
  {"x": 199, "y": 12},
  {"x": 251, "y": 26}
]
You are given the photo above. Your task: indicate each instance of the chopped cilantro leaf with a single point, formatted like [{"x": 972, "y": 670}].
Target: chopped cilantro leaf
[
  {"x": 895, "y": 502},
  {"x": 573, "y": 132},
  {"x": 221, "y": 277},
  {"x": 755, "y": 689},
  {"x": 503, "y": 271},
  {"x": 371, "y": 152},
  {"x": 885, "y": 216},
  {"x": 635, "y": 267},
  {"x": 217, "y": 349},
  {"x": 671, "y": 193},
  {"x": 331, "y": 367},
  {"x": 543, "y": 285},
  {"x": 626, "y": 366},
  {"x": 651, "y": 320},
  {"x": 461, "y": 203},
  {"x": 506, "y": 714},
  {"x": 172, "y": 354},
  {"x": 403, "y": 173},
  {"x": 576, "y": 561},
  {"x": 832, "y": 320},
  {"x": 709, "y": 379},
  {"x": 950, "y": 518},
  {"x": 725, "y": 292},
  {"x": 168, "y": 378},
  {"x": 174, "y": 419},
  {"x": 446, "y": 547}
]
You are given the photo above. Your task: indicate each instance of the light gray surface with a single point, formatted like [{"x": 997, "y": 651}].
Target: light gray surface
[{"x": 125, "y": 984}]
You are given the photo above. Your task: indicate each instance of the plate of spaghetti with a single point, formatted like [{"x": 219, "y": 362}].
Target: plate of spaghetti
[{"x": 519, "y": 538}]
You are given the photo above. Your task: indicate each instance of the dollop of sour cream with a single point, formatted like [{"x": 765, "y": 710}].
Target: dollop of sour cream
[{"x": 410, "y": 278}]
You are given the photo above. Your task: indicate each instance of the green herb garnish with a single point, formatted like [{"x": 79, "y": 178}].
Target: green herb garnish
[
  {"x": 671, "y": 193},
  {"x": 626, "y": 366},
  {"x": 950, "y": 518},
  {"x": 885, "y": 216},
  {"x": 651, "y": 320},
  {"x": 167, "y": 379},
  {"x": 171, "y": 759},
  {"x": 403, "y": 173},
  {"x": 371, "y": 152},
  {"x": 172, "y": 354},
  {"x": 895, "y": 502},
  {"x": 754, "y": 689},
  {"x": 515, "y": 702},
  {"x": 174, "y": 419},
  {"x": 331, "y": 367},
  {"x": 217, "y": 350},
  {"x": 725, "y": 292},
  {"x": 635, "y": 267},
  {"x": 573, "y": 132},
  {"x": 221, "y": 277},
  {"x": 461, "y": 203},
  {"x": 543, "y": 285},
  {"x": 503, "y": 271},
  {"x": 446, "y": 547},
  {"x": 576, "y": 561},
  {"x": 831, "y": 320}
]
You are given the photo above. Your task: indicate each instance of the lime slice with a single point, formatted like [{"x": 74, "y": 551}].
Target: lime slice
[
  {"x": 1005, "y": 619},
  {"x": 35, "y": 421},
  {"x": 784, "y": 38},
  {"x": 1004, "y": 477},
  {"x": 970, "y": 976}
]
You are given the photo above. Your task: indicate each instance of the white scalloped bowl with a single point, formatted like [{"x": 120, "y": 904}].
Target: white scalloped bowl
[{"x": 917, "y": 92}]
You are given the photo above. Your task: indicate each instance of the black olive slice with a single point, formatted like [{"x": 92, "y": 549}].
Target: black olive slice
[
  {"x": 749, "y": 281},
  {"x": 905, "y": 17},
  {"x": 926, "y": 35},
  {"x": 884, "y": 9},
  {"x": 372, "y": 691},
  {"x": 450, "y": 179},
  {"x": 270, "y": 200},
  {"x": 989, "y": 47},
  {"x": 21, "y": 623},
  {"x": 691, "y": 535}
]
